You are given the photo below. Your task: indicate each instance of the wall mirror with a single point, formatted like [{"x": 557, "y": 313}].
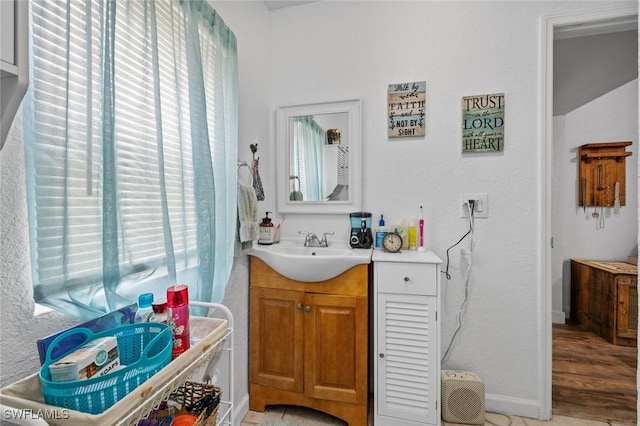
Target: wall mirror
[{"x": 320, "y": 157}]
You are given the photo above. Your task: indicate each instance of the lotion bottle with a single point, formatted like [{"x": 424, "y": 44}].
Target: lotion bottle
[
  {"x": 402, "y": 230},
  {"x": 381, "y": 231},
  {"x": 178, "y": 303},
  {"x": 266, "y": 230},
  {"x": 144, "y": 307},
  {"x": 160, "y": 312},
  {"x": 413, "y": 235}
]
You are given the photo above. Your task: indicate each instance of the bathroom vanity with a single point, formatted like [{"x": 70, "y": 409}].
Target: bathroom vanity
[
  {"x": 309, "y": 342},
  {"x": 406, "y": 338}
]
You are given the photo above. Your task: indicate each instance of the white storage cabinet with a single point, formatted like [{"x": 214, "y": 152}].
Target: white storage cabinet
[{"x": 406, "y": 338}]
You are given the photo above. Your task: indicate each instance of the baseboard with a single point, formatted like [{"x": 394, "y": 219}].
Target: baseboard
[
  {"x": 513, "y": 406},
  {"x": 240, "y": 410},
  {"x": 558, "y": 317},
  {"x": 493, "y": 403}
]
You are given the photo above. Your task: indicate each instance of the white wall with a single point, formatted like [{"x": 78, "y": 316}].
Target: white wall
[
  {"x": 19, "y": 328},
  {"x": 346, "y": 50},
  {"x": 342, "y": 50},
  {"x": 609, "y": 118}
]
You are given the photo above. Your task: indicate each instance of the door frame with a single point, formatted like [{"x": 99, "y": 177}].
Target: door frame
[{"x": 578, "y": 19}]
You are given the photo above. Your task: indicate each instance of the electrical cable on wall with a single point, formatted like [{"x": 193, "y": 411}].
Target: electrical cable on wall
[{"x": 468, "y": 256}]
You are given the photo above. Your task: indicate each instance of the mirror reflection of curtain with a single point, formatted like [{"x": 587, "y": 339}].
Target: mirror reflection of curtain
[{"x": 308, "y": 141}]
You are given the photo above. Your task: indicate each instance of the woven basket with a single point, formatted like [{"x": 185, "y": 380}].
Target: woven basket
[{"x": 199, "y": 399}]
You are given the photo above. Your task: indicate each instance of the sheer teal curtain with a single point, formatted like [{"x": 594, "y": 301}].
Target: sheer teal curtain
[
  {"x": 131, "y": 145},
  {"x": 311, "y": 139}
]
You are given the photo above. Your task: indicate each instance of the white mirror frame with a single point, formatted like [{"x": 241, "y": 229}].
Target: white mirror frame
[{"x": 354, "y": 111}]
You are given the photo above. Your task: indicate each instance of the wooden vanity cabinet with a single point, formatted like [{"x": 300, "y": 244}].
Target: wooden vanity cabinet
[{"x": 309, "y": 342}]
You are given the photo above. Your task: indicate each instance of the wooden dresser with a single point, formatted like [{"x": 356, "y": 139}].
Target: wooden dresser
[{"x": 604, "y": 299}]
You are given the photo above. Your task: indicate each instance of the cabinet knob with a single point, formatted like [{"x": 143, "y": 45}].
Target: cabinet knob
[
  {"x": 299, "y": 306},
  {"x": 381, "y": 355},
  {"x": 307, "y": 308},
  {"x": 406, "y": 279}
]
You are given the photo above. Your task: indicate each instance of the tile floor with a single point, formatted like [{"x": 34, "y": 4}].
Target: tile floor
[{"x": 298, "y": 416}]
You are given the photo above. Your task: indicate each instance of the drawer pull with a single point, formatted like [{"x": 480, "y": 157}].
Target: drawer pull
[
  {"x": 299, "y": 306},
  {"x": 406, "y": 279},
  {"x": 381, "y": 355}
]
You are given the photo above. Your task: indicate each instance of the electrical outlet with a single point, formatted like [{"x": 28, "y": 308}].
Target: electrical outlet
[{"x": 481, "y": 207}]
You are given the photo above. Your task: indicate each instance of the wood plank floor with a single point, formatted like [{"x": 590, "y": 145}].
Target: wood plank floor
[{"x": 593, "y": 379}]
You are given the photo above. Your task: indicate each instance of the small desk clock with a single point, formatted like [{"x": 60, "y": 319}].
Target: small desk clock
[{"x": 392, "y": 242}]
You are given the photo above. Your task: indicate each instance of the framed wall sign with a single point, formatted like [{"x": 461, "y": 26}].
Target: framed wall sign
[
  {"x": 406, "y": 109},
  {"x": 483, "y": 123}
]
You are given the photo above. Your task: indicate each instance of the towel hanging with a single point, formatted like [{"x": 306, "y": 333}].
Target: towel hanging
[
  {"x": 257, "y": 182},
  {"x": 255, "y": 174}
]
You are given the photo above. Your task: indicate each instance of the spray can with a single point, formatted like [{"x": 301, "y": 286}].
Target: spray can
[{"x": 178, "y": 303}]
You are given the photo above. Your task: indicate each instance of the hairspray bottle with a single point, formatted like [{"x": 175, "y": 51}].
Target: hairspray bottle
[{"x": 178, "y": 303}]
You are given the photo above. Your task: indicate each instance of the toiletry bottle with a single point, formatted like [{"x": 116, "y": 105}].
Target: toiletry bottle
[
  {"x": 413, "y": 235},
  {"x": 266, "y": 230},
  {"x": 144, "y": 307},
  {"x": 381, "y": 231},
  {"x": 160, "y": 312},
  {"x": 402, "y": 230},
  {"x": 178, "y": 303}
]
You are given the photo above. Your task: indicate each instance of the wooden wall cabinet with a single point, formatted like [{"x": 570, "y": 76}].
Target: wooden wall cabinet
[
  {"x": 604, "y": 299},
  {"x": 602, "y": 174},
  {"x": 309, "y": 342}
]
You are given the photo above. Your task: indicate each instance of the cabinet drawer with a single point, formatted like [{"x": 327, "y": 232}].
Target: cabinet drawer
[{"x": 406, "y": 278}]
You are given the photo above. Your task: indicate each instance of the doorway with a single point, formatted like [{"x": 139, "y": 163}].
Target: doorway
[{"x": 603, "y": 20}]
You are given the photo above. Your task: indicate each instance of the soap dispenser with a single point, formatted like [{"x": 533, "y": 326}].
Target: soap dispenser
[{"x": 266, "y": 230}]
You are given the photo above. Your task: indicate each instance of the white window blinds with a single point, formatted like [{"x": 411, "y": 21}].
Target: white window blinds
[{"x": 115, "y": 113}]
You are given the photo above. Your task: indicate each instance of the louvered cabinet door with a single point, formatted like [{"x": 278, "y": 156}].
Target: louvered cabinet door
[{"x": 407, "y": 361}]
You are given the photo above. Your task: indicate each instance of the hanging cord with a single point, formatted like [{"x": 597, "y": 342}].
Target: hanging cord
[
  {"x": 468, "y": 255},
  {"x": 496, "y": 424},
  {"x": 471, "y": 208}
]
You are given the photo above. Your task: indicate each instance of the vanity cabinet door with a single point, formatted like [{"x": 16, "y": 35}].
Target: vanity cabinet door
[
  {"x": 336, "y": 335},
  {"x": 277, "y": 338}
]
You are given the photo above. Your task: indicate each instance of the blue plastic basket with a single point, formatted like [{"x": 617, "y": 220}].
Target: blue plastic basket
[{"x": 144, "y": 348}]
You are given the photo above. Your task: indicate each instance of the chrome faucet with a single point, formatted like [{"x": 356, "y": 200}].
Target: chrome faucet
[{"x": 312, "y": 240}]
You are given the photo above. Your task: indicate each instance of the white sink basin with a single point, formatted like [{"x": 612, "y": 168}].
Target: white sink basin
[{"x": 310, "y": 264}]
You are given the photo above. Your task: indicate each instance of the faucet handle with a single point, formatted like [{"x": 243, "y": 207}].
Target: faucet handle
[
  {"x": 308, "y": 236},
  {"x": 324, "y": 237}
]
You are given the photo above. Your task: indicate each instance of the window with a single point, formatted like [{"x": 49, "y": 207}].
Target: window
[{"x": 131, "y": 135}]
